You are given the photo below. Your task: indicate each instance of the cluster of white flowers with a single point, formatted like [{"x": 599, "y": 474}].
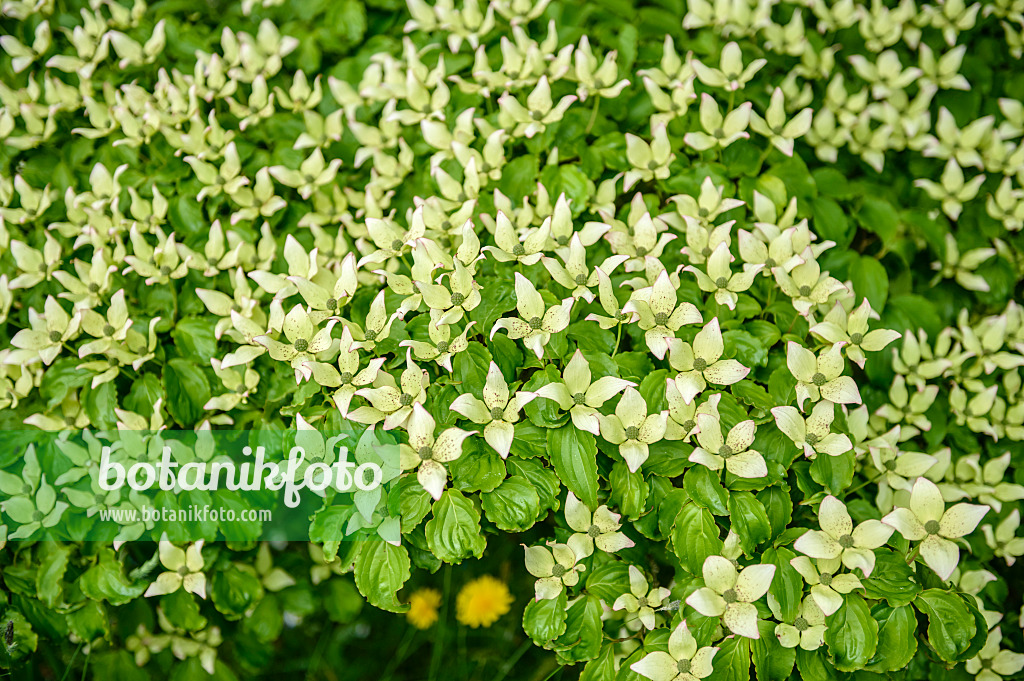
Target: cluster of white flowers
[{"x": 675, "y": 274}]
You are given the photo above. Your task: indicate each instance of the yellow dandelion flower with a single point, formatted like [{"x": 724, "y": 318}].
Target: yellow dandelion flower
[
  {"x": 482, "y": 601},
  {"x": 423, "y": 606}
]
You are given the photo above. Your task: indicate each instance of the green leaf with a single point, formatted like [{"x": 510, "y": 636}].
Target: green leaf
[
  {"x": 380, "y": 571},
  {"x": 706, "y": 490},
  {"x": 871, "y": 281},
  {"x": 852, "y": 634},
  {"x": 830, "y": 222},
  {"x": 471, "y": 367},
  {"x": 453, "y": 534},
  {"x": 573, "y": 453},
  {"x": 749, "y": 520},
  {"x": 897, "y": 638},
  {"x": 581, "y": 639},
  {"x": 951, "y": 626},
  {"x": 879, "y": 216},
  {"x": 787, "y": 585},
  {"x": 545, "y": 620},
  {"x": 892, "y": 579},
  {"x": 695, "y": 536},
  {"x": 513, "y": 506},
  {"x": 608, "y": 580},
  {"x": 194, "y": 339},
  {"x": 480, "y": 468},
  {"x": 187, "y": 391},
  {"x": 778, "y": 506},
  {"x": 834, "y": 473},
  {"x": 53, "y": 563},
  {"x": 629, "y": 490},
  {"x": 105, "y": 581},
  {"x": 772, "y": 662},
  {"x": 732, "y": 661},
  {"x": 234, "y": 590}
]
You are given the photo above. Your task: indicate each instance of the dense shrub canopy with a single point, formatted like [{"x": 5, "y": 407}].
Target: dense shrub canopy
[{"x": 695, "y": 322}]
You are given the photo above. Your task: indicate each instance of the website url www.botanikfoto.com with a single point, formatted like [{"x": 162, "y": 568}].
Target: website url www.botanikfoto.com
[{"x": 189, "y": 514}]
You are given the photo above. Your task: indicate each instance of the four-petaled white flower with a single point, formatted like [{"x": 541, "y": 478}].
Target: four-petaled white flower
[
  {"x": 600, "y": 527},
  {"x": 580, "y": 395},
  {"x": 184, "y": 570},
  {"x": 536, "y": 321},
  {"x": 731, "y": 452},
  {"x": 812, "y": 434},
  {"x": 498, "y": 410},
  {"x": 730, "y": 594},
  {"x": 683, "y": 661},
  {"x": 426, "y": 454},
  {"x": 838, "y": 538},
  {"x": 702, "y": 362},
  {"x": 820, "y": 377},
  {"x": 827, "y": 587},
  {"x": 633, "y": 429},
  {"x": 641, "y": 601},
  {"x": 555, "y": 568},
  {"x": 928, "y": 521}
]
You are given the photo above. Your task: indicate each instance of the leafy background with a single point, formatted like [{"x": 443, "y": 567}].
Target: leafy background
[{"x": 75, "y": 607}]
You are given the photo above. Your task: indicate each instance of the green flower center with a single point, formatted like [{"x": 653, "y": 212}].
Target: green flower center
[
  {"x": 405, "y": 400},
  {"x": 332, "y": 304},
  {"x": 562, "y": 240},
  {"x": 535, "y": 323},
  {"x": 689, "y": 424},
  {"x": 558, "y": 570},
  {"x": 519, "y": 250},
  {"x": 890, "y": 465},
  {"x": 593, "y": 531},
  {"x": 683, "y": 666},
  {"x": 396, "y": 245},
  {"x": 932, "y": 527},
  {"x": 26, "y": 488},
  {"x": 770, "y": 264},
  {"x": 37, "y": 516},
  {"x": 706, "y": 251},
  {"x": 425, "y": 453},
  {"x": 805, "y": 290},
  {"x": 302, "y": 345},
  {"x": 825, "y": 579},
  {"x": 653, "y": 165},
  {"x": 496, "y": 414},
  {"x": 811, "y": 439},
  {"x": 579, "y": 398},
  {"x": 700, "y": 364},
  {"x": 846, "y": 541},
  {"x": 661, "y": 319},
  {"x": 370, "y": 335},
  {"x": 819, "y": 379},
  {"x": 642, "y": 602},
  {"x": 55, "y": 336},
  {"x": 581, "y": 280},
  {"x": 857, "y": 338},
  {"x": 108, "y": 330},
  {"x": 703, "y": 212},
  {"x": 165, "y": 270},
  {"x": 801, "y": 624},
  {"x": 94, "y": 288},
  {"x": 641, "y": 251},
  {"x": 346, "y": 378},
  {"x": 458, "y": 299},
  {"x": 183, "y": 570},
  {"x": 442, "y": 347},
  {"x": 730, "y": 596},
  {"x": 725, "y": 451},
  {"x": 632, "y": 433},
  {"x": 721, "y": 282}
]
